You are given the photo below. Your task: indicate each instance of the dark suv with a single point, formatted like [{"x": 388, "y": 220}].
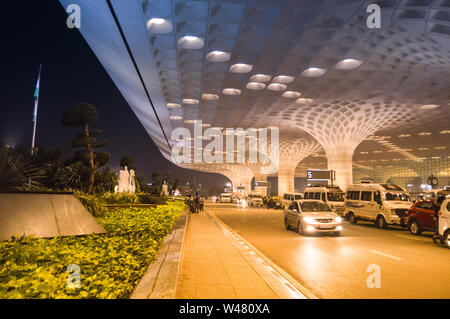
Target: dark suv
[{"x": 421, "y": 217}]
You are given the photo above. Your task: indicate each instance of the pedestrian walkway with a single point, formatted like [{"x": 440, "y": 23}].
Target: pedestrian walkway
[{"x": 212, "y": 267}]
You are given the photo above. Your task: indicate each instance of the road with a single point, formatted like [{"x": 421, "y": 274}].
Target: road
[{"x": 337, "y": 267}]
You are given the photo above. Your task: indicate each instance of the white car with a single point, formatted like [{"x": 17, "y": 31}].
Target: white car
[
  {"x": 383, "y": 204},
  {"x": 225, "y": 198},
  {"x": 255, "y": 200},
  {"x": 333, "y": 196},
  {"x": 289, "y": 197},
  {"x": 312, "y": 217},
  {"x": 444, "y": 221}
]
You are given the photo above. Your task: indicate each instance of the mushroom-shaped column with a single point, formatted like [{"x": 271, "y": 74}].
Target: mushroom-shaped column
[
  {"x": 241, "y": 176},
  {"x": 292, "y": 152},
  {"x": 339, "y": 127}
]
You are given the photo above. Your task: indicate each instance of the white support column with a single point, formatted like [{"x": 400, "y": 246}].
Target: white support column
[
  {"x": 286, "y": 178},
  {"x": 340, "y": 161}
]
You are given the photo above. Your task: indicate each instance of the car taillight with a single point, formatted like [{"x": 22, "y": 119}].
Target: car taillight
[{"x": 439, "y": 213}]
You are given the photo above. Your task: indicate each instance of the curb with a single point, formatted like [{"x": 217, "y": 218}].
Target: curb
[
  {"x": 160, "y": 278},
  {"x": 287, "y": 278}
]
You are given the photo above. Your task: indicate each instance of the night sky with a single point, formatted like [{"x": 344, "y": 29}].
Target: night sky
[{"x": 35, "y": 32}]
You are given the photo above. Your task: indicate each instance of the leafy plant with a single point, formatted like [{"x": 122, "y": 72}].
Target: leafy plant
[
  {"x": 17, "y": 172},
  {"x": 111, "y": 264}
]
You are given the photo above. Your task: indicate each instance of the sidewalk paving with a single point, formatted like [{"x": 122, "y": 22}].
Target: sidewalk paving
[{"x": 213, "y": 268}]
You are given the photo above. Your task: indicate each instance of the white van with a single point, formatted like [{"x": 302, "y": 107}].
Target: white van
[
  {"x": 225, "y": 198},
  {"x": 444, "y": 221},
  {"x": 333, "y": 196},
  {"x": 384, "y": 204},
  {"x": 255, "y": 199},
  {"x": 289, "y": 197}
]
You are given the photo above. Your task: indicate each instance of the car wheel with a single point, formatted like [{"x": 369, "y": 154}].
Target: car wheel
[
  {"x": 352, "y": 218},
  {"x": 299, "y": 228},
  {"x": 286, "y": 224},
  {"x": 414, "y": 228},
  {"x": 381, "y": 222},
  {"x": 447, "y": 238}
]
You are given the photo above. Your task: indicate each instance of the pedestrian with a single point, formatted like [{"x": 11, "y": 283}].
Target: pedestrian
[
  {"x": 197, "y": 203},
  {"x": 202, "y": 203}
]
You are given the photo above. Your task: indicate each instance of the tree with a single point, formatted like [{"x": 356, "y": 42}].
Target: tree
[
  {"x": 17, "y": 172},
  {"x": 127, "y": 161},
  {"x": 82, "y": 115}
]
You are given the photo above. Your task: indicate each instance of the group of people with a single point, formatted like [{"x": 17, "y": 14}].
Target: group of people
[{"x": 196, "y": 204}]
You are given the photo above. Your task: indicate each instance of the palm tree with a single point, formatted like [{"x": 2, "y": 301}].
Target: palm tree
[{"x": 18, "y": 173}]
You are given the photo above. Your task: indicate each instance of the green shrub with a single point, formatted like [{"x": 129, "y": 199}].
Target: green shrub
[
  {"x": 94, "y": 203},
  {"x": 111, "y": 264},
  {"x": 119, "y": 198}
]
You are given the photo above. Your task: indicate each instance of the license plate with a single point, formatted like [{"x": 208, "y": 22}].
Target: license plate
[{"x": 326, "y": 226}]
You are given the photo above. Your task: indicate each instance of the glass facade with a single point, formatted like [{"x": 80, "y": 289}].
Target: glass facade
[{"x": 409, "y": 174}]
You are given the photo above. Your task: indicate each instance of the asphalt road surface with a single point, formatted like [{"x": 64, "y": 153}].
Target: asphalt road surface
[{"x": 337, "y": 267}]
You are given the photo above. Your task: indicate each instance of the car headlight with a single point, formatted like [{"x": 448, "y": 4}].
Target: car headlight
[
  {"x": 338, "y": 219},
  {"x": 308, "y": 220}
]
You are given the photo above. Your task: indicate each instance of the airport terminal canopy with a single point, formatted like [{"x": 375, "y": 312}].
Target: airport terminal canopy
[{"x": 317, "y": 67}]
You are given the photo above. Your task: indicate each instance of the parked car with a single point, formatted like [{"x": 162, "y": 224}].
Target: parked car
[
  {"x": 421, "y": 217},
  {"x": 312, "y": 216},
  {"x": 274, "y": 202},
  {"x": 333, "y": 196},
  {"x": 383, "y": 204},
  {"x": 289, "y": 197},
  {"x": 224, "y": 198},
  {"x": 444, "y": 221},
  {"x": 255, "y": 199}
]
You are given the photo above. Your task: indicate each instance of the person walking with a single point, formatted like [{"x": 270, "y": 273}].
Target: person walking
[
  {"x": 202, "y": 203},
  {"x": 197, "y": 203}
]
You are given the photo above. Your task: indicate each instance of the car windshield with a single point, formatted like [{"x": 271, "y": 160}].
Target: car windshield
[
  {"x": 315, "y": 207},
  {"x": 297, "y": 197},
  {"x": 335, "y": 197},
  {"x": 397, "y": 197}
]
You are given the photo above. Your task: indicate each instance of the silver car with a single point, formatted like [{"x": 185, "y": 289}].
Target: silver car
[{"x": 311, "y": 217}]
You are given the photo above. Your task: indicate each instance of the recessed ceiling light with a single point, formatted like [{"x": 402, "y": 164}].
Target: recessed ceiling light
[
  {"x": 190, "y": 101},
  {"x": 440, "y": 148},
  {"x": 260, "y": 78},
  {"x": 189, "y": 121},
  {"x": 291, "y": 94},
  {"x": 210, "y": 97},
  {"x": 190, "y": 42},
  {"x": 445, "y": 132},
  {"x": 404, "y": 135},
  {"x": 424, "y": 134},
  {"x": 158, "y": 25},
  {"x": 230, "y": 91},
  {"x": 206, "y": 125},
  {"x": 277, "y": 87},
  {"x": 218, "y": 56},
  {"x": 363, "y": 152},
  {"x": 314, "y": 72},
  {"x": 422, "y": 148},
  {"x": 377, "y": 152},
  {"x": 176, "y": 117},
  {"x": 429, "y": 106},
  {"x": 348, "y": 64},
  {"x": 241, "y": 68},
  {"x": 173, "y": 105},
  {"x": 256, "y": 86},
  {"x": 304, "y": 101},
  {"x": 283, "y": 79}
]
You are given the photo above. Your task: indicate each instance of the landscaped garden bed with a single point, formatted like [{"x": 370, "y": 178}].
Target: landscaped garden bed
[{"x": 111, "y": 264}]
